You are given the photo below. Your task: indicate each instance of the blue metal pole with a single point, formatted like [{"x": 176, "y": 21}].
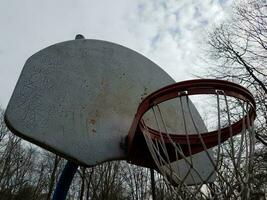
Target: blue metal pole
[{"x": 64, "y": 182}]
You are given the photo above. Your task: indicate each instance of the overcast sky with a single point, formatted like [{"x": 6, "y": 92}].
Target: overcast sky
[{"x": 168, "y": 32}]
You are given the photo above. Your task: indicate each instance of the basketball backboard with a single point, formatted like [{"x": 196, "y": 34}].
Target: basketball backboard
[{"x": 78, "y": 99}]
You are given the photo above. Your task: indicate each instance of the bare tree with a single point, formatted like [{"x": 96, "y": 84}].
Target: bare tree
[
  {"x": 238, "y": 52},
  {"x": 53, "y": 162},
  {"x": 16, "y": 166},
  {"x": 239, "y": 49}
]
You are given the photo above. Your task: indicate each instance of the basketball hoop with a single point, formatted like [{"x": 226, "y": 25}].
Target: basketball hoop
[{"x": 229, "y": 148}]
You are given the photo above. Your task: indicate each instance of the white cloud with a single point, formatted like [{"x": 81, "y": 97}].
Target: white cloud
[
  {"x": 174, "y": 30},
  {"x": 166, "y": 31}
]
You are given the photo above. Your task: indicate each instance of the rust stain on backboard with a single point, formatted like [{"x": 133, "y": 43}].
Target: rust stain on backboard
[{"x": 92, "y": 121}]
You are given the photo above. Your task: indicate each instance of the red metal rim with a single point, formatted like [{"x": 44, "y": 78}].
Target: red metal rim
[{"x": 194, "y": 87}]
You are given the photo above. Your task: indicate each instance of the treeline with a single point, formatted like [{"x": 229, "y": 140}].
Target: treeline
[{"x": 29, "y": 172}]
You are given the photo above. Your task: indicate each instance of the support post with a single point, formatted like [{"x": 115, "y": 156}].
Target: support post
[{"x": 64, "y": 182}]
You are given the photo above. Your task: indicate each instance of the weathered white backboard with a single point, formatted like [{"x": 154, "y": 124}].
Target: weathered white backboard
[{"x": 78, "y": 98}]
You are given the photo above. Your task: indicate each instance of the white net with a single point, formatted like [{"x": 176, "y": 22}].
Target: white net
[{"x": 201, "y": 167}]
